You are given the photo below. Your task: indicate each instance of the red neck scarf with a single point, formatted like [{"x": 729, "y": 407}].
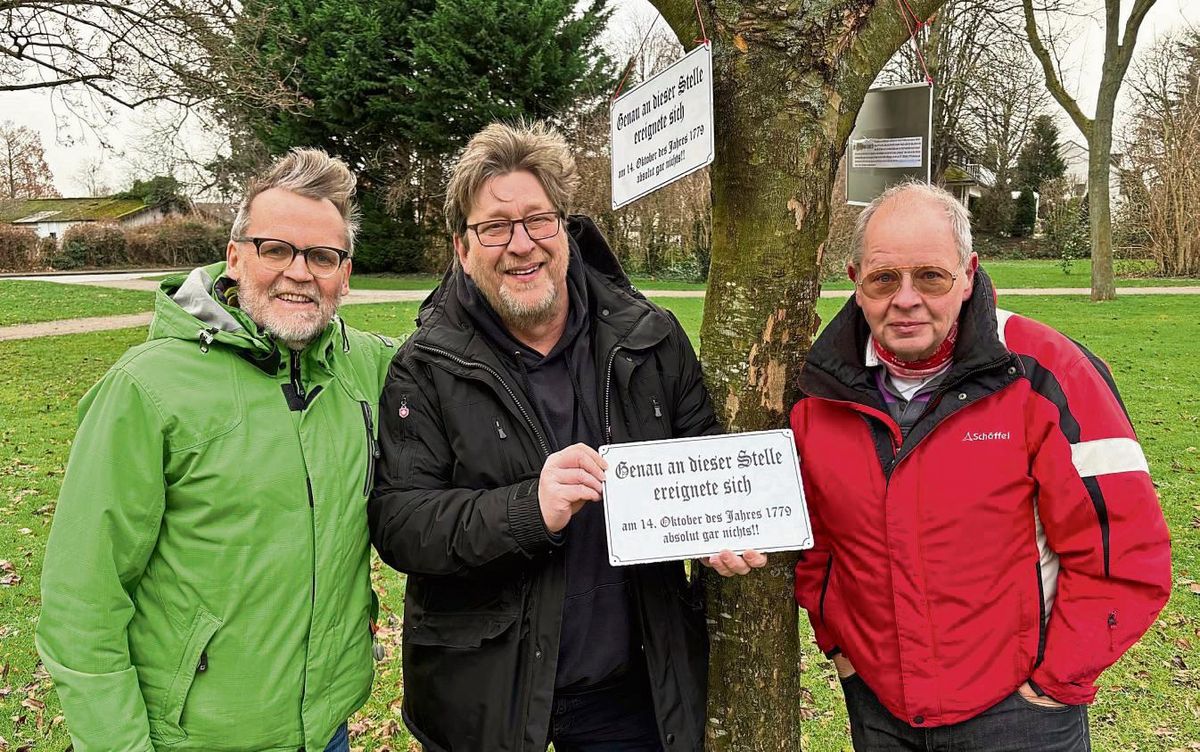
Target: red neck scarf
[{"x": 919, "y": 369}]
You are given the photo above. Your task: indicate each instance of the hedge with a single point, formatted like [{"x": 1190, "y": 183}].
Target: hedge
[
  {"x": 90, "y": 245},
  {"x": 18, "y": 248},
  {"x": 177, "y": 242}
]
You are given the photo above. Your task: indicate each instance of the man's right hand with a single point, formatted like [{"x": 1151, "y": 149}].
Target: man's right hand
[
  {"x": 569, "y": 479},
  {"x": 843, "y": 666}
]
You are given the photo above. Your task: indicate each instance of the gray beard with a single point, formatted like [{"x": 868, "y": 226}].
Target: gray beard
[
  {"x": 521, "y": 316},
  {"x": 294, "y": 332}
]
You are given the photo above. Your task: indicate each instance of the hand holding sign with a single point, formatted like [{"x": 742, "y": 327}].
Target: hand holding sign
[
  {"x": 727, "y": 563},
  {"x": 570, "y": 478}
]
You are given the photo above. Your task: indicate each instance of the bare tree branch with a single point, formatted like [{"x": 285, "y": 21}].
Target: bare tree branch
[{"x": 1053, "y": 79}]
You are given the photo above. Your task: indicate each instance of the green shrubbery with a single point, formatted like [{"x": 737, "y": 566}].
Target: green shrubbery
[{"x": 1024, "y": 214}]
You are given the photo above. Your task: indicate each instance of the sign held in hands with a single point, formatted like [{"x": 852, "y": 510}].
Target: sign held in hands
[
  {"x": 663, "y": 129},
  {"x": 690, "y": 498}
]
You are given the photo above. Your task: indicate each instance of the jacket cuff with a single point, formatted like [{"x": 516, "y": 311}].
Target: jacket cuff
[
  {"x": 525, "y": 519},
  {"x": 1064, "y": 692}
]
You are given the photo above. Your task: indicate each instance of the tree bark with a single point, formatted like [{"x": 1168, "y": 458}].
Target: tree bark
[
  {"x": 789, "y": 79},
  {"x": 1099, "y": 200}
]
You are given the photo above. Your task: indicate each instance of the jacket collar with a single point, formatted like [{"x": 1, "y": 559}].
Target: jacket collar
[{"x": 835, "y": 367}]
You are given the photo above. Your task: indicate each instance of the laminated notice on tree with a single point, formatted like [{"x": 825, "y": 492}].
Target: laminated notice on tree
[
  {"x": 888, "y": 153},
  {"x": 663, "y": 129},
  {"x": 690, "y": 498}
]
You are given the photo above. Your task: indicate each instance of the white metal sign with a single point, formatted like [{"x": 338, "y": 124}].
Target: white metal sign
[
  {"x": 891, "y": 141},
  {"x": 688, "y": 498},
  {"x": 888, "y": 153},
  {"x": 663, "y": 129}
]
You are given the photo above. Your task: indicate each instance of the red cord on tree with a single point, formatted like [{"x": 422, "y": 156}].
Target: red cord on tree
[
  {"x": 912, "y": 34},
  {"x": 700, "y": 18}
]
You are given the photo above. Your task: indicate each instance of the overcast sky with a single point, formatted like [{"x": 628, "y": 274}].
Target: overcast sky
[{"x": 69, "y": 143}]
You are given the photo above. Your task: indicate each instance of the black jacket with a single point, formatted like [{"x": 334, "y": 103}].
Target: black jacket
[{"x": 455, "y": 506}]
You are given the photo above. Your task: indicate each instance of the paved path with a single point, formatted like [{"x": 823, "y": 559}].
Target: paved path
[
  {"x": 74, "y": 326},
  {"x": 133, "y": 281}
]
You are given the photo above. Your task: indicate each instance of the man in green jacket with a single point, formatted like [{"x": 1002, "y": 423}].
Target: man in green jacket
[{"x": 206, "y": 584}]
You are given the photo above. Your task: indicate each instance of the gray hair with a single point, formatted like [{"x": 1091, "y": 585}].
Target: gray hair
[
  {"x": 499, "y": 149},
  {"x": 311, "y": 173},
  {"x": 956, "y": 214}
]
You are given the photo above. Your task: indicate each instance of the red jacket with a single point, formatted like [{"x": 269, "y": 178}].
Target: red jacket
[{"x": 931, "y": 572}]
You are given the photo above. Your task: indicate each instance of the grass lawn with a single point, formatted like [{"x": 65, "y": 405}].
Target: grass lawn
[
  {"x": 31, "y": 302},
  {"x": 1150, "y": 701}
]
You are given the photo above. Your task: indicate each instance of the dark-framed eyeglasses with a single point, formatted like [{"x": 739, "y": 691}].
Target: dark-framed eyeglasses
[
  {"x": 494, "y": 232},
  {"x": 885, "y": 282},
  {"x": 277, "y": 255}
]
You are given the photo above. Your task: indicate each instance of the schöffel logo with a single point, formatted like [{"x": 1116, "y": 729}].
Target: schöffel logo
[{"x": 987, "y": 436}]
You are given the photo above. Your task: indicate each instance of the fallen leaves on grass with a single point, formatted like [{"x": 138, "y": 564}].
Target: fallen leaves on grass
[{"x": 8, "y": 574}]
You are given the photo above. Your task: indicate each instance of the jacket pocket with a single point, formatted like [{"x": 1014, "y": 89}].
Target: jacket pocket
[
  {"x": 457, "y": 630},
  {"x": 372, "y": 447},
  {"x": 204, "y": 626}
]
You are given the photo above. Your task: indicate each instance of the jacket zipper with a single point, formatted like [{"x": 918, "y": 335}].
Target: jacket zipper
[
  {"x": 942, "y": 392},
  {"x": 372, "y": 447},
  {"x": 608, "y": 372},
  {"x": 533, "y": 426},
  {"x": 294, "y": 375}
]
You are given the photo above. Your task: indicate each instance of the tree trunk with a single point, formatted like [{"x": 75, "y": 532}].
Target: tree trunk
[
  {"x": 1118, "y": 51},
  {"x": 1099, "y": 201},
  {"x": 789, "y": 79}
]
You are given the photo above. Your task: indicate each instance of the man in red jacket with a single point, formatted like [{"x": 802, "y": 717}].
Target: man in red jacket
[{"x": 988, "y": 539}]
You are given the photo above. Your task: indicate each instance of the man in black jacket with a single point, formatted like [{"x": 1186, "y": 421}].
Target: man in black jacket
[{"x": 533, "y": 351}]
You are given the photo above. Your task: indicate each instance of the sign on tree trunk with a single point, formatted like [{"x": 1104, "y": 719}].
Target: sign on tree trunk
[{"x": 663, "y": 130}]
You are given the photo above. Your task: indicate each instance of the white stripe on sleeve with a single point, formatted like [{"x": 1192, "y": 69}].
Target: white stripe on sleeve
[{"x": 1105, "y": 456}]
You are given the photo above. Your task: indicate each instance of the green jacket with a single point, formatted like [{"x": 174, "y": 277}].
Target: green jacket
[{"x": 206, "y": 584}]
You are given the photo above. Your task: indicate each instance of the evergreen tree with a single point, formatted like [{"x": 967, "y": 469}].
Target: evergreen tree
[
  {"x": 1024, "y": 214},
  {"x": 1040, "y": 159},
  {"x": 396, "y": 87}
]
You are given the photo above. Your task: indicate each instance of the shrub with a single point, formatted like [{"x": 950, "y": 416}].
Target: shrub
[
  {"x": 91, "y": 244},
  {"x": 46, "y": 249},
  {"x": 992, "y": 213},
  {"x": 1066, "y": 225},
  {"x": 18, "y": 246},
  {"x": 178, "y": 242},
  {"x": 1024, "y": 215}
]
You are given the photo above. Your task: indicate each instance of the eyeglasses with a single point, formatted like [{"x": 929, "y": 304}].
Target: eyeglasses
[
  {"x": 278, "y": 255},
  {"x": 496, "y": 232},
  {"x": 933, "y": 281}
]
